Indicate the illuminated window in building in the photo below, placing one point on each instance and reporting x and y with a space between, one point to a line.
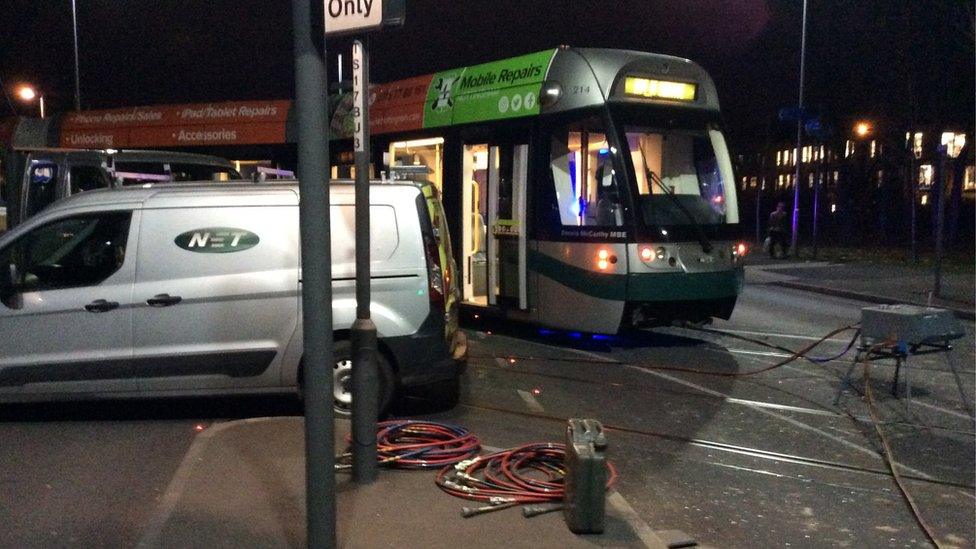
810 181
917 144
969 179
925 199
806 154
836 176
833 208
779 158
744 179
874 148
880 177
908 139
848 148
781 181
822 155
925 174
753 181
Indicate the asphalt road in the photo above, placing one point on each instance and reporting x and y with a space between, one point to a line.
733 461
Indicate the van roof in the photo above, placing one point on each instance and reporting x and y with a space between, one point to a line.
142 193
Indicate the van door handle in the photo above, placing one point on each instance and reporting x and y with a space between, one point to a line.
163 300
101 306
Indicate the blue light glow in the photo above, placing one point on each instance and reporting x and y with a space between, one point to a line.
575 335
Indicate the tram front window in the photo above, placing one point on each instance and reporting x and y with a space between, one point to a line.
583 174
692 167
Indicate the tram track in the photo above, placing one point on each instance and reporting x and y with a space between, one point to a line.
824 411
778 457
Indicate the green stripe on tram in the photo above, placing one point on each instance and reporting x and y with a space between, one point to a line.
638 286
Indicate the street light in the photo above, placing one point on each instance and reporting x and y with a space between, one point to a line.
28 94
795 225
863 128
952 145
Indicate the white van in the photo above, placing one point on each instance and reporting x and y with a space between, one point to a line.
180 290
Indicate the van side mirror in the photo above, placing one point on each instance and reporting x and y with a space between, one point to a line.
9 292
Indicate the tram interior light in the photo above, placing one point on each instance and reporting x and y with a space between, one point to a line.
660 89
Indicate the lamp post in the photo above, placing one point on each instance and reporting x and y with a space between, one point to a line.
916 155
28 94
952 144
799 138
74 25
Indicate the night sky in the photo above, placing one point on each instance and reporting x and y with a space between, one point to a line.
864 58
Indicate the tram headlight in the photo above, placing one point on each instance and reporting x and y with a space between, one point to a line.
647 254
550 94
660 253
604 259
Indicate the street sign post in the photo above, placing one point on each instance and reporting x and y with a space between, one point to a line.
363 333
349 17
313 215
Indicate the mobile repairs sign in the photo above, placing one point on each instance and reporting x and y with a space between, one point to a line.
492 91
217 240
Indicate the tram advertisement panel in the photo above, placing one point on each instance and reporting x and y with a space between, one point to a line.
492 91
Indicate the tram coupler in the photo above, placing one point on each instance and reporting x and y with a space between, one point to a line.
586 476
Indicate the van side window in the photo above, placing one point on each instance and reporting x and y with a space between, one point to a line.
42 187
69 253
87 178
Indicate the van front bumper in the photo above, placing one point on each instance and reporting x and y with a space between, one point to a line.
426 356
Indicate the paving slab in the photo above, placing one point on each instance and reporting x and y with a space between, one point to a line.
242 484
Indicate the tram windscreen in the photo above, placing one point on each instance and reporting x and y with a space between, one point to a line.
683 177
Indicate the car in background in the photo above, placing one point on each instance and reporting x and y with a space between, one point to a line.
33 178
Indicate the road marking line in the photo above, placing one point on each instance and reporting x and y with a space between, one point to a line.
941 409
530 401
643 531
786 336
781 417
167 504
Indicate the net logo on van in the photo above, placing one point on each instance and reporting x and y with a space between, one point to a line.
217 240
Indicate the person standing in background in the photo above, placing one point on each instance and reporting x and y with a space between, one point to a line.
777 231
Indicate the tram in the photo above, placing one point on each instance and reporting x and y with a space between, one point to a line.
587 190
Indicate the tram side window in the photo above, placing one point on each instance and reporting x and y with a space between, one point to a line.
587 192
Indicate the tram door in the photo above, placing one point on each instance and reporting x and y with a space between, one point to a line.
494 236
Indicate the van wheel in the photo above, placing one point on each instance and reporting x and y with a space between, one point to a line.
342 380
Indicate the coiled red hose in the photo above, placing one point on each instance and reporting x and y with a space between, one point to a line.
534 473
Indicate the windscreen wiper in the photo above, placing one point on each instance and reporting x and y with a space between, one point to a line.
654 178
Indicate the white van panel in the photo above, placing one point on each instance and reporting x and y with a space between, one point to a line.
241 305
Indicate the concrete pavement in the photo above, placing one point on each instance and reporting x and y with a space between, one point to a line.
242 484
872 283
